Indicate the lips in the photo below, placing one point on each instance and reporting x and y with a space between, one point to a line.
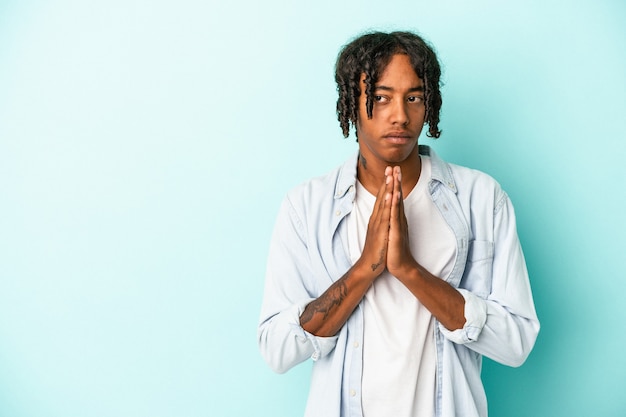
398 137
399 134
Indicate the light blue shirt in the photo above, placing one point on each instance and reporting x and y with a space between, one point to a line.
309 251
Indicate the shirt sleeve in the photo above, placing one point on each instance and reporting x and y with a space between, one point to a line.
501 323
289 287
475 318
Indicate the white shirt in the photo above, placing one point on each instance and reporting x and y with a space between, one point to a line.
399 357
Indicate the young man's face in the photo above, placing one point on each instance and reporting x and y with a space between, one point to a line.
390 136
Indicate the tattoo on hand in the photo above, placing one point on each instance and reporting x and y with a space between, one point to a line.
324 304
380 261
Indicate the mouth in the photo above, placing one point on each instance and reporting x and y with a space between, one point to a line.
398 137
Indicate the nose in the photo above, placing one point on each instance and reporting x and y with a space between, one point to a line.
400 114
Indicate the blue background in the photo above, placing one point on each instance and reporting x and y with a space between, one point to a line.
145 147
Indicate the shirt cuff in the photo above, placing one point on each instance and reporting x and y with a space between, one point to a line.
322 346
475 318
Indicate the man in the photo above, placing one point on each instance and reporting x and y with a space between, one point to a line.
397 271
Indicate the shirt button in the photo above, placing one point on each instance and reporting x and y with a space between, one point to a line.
352 393
337 213
315 356
356 344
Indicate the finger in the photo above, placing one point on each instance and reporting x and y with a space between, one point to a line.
397 193
388 183
380 217
398 218
397 175
402 223
388 191
380 202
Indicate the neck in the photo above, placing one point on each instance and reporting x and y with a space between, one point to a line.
371 173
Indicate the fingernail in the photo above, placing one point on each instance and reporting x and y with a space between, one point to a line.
387 179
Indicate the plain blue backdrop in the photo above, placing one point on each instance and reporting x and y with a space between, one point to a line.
145 147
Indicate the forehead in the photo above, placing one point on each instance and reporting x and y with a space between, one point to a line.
399 71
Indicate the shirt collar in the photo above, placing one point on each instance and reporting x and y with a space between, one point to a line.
441 172
347 176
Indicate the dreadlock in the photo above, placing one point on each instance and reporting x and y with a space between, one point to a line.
370 54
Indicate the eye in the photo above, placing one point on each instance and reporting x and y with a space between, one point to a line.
379 99
415 99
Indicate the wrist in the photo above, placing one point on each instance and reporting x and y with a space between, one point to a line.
366 272
408 271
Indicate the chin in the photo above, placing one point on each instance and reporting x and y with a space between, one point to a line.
401 155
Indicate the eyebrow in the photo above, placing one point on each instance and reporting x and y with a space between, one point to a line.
419 88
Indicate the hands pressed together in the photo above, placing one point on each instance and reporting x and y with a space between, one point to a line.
387 239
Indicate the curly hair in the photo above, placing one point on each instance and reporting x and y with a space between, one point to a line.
370 54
